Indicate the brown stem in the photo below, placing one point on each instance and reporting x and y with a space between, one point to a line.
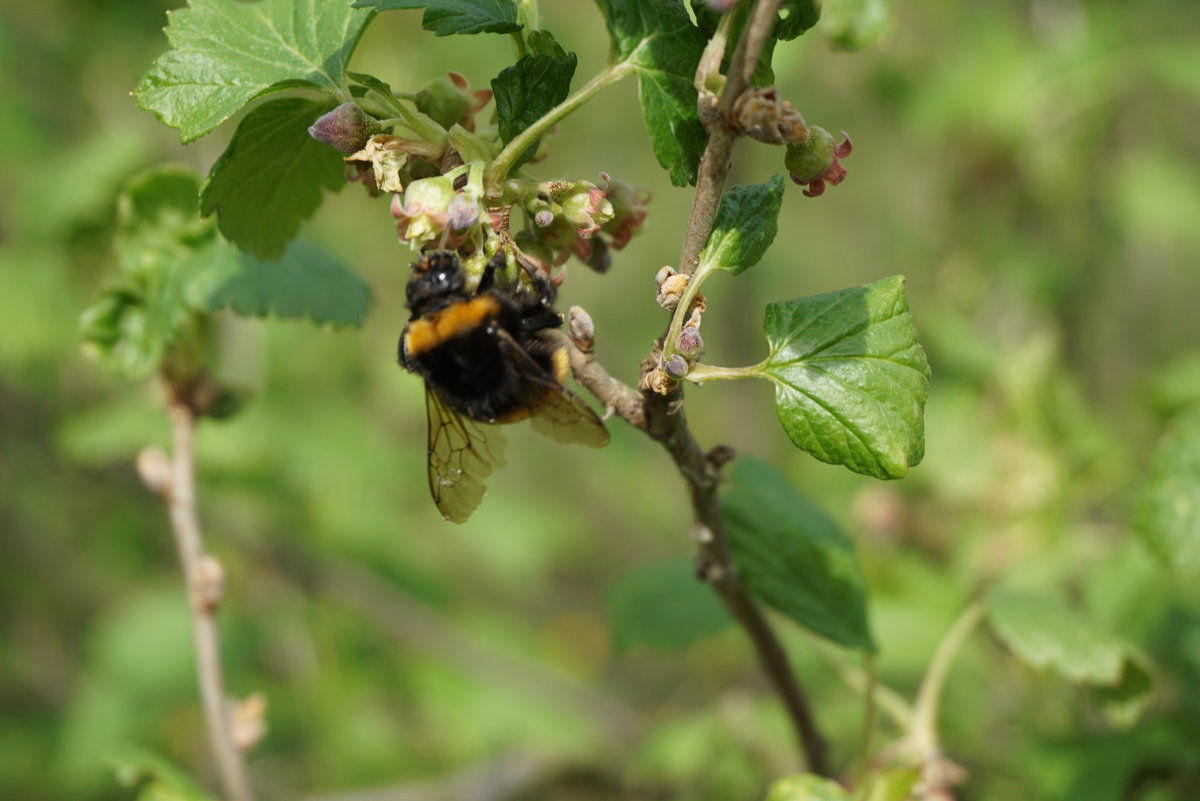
714 164
204 585
664 419
700 472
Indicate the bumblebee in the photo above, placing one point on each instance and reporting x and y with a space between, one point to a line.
486 361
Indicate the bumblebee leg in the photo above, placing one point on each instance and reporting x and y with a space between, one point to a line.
488 278
538 317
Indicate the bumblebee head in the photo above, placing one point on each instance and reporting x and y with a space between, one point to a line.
437 275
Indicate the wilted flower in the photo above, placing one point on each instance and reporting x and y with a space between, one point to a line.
450 101
817 160
629 212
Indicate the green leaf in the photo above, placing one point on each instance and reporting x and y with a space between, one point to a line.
158 219
658 39
159 230
1167 517
1047 635
306 283
527 90
160 778
745 226
793 557
806 787
448 17
850 377
224 53
856 24
543 43
663 606
270 178
796 17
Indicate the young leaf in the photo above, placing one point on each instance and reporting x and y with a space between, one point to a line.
795 17
159 230
663 606
448 17
806 787
306 283
1168 511
527 90
850 377
270 178
224 53
1046 634
745 226
657 38
791 556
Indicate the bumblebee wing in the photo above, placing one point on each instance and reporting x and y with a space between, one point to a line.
462 453
554 411
566 418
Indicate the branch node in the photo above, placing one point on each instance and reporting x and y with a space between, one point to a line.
248 721
154 468
208 584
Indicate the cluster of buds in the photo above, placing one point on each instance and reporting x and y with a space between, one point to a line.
813 158
433 212
569 217
670 289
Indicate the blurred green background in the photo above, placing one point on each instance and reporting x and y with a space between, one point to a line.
1030 166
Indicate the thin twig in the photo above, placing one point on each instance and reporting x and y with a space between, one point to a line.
924 737
202 573
666 422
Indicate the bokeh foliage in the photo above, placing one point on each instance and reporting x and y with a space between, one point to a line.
1029 166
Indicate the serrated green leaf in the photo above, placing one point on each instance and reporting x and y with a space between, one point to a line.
745 226
163 780
806 787
856 24
527 90
658 39
1047 635
448 17
850 377
225 53
1168 511
306 283
663 606
270 178
793 557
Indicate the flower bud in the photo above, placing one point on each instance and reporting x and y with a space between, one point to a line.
582 329
347 128
154 467
676 366
690 342
817 160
